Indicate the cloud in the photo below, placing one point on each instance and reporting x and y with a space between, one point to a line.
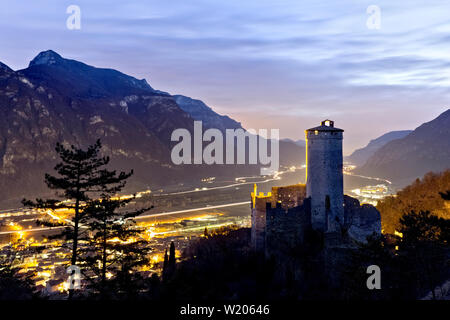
283 64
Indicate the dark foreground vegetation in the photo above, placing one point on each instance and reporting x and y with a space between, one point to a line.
221 266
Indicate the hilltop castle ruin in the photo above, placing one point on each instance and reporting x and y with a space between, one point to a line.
282 217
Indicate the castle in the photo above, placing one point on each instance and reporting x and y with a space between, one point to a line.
281 218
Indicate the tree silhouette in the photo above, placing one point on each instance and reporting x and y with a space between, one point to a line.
169 262
425 243
172 258
114 245
172 254
165 266
81 177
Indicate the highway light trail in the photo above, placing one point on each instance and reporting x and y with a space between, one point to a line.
136 218
370 178
30 230
212 226
190 210
274 178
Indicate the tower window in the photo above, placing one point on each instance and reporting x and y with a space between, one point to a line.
316 132
327 202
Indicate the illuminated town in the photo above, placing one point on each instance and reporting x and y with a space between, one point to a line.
46 260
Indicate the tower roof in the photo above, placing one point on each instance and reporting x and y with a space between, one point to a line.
326 125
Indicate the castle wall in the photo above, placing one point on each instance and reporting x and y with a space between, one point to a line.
286 228
361 221
258 218
279 200
288 196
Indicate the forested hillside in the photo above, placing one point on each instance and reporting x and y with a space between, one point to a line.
422 195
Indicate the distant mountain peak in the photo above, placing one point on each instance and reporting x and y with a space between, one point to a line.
387 137
80 79
360 156
48 57
425 149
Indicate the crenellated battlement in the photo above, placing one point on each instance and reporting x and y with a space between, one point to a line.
286 196
278 202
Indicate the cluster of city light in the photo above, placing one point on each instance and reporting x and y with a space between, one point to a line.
51 262
371 194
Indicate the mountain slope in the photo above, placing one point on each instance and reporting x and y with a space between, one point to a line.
77 81
198 110
62 100
4 69
300 143
81 79
425 149
291 152
360 156
34 115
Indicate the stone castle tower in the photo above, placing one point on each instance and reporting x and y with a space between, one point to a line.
324 176
282 218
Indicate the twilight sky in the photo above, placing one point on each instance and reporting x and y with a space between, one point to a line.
268 64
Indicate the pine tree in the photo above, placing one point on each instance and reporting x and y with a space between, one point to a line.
115 246
165 266
169 263
81 176
424 245
172 259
